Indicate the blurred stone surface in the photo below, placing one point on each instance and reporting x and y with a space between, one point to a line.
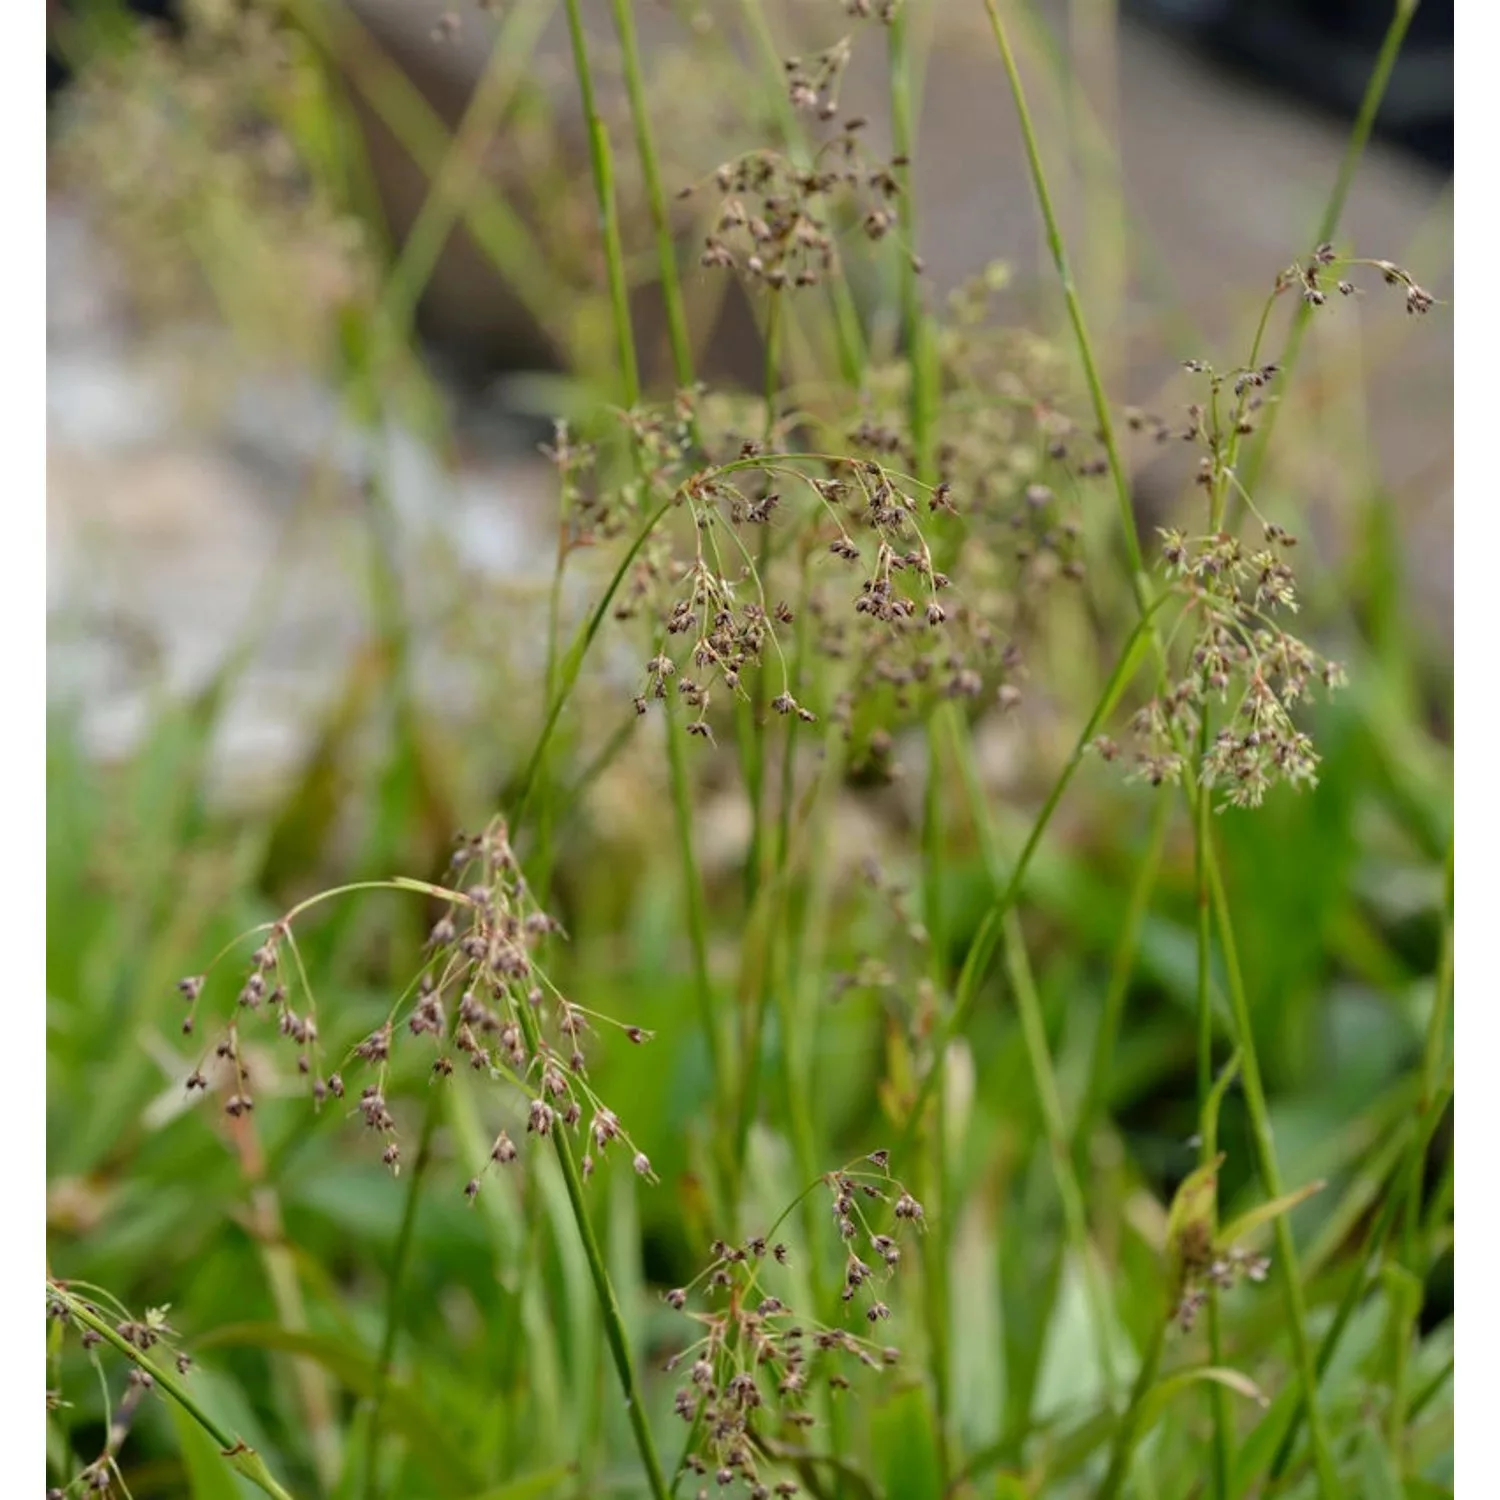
184 525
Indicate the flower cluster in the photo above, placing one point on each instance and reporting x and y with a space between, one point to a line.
755 1361
482 997
1311 279
67 1306
1240 655
773 223
1220 1270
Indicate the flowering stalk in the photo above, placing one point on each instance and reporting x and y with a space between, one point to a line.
1333 210
682 367
604 1291
404 1238
240 1456
1266 1163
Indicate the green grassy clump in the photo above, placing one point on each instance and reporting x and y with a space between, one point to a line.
979 938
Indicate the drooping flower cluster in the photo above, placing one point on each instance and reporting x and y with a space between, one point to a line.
755 1362
482 996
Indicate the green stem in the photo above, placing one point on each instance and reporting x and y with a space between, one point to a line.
645 146
846 326
936 1249
682 366
1333 211
1043 1073
602 164
750 730
1269 1172
751 719
1128 1432
692 885
1105 422
982 949
921 366
572 664
1255 1097
1218 1396
399 1263
609 1307
242 1458
1101 1063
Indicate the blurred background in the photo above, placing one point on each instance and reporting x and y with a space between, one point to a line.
1198 140
294 639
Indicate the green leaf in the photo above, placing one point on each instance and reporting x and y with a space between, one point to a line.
905 1451
1164 1392
1247 1223
544 1482
1379 1478
1190 1220
355 1370
209 1473
1209 1122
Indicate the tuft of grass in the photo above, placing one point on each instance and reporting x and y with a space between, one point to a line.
860 641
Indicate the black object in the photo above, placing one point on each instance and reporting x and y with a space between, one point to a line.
1323 52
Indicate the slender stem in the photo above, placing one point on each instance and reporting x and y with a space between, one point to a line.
1128 1432
1140 584
1218 1396
1043 1073
399 1263
770 897
602 164
1333 211
541 873
752 715
982 949
1254 1093
244 1459
1269 1172
692 885
572 664
656 202
936 1248
795 963
921 366
846 326
609 1307
1096 1092
682 366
